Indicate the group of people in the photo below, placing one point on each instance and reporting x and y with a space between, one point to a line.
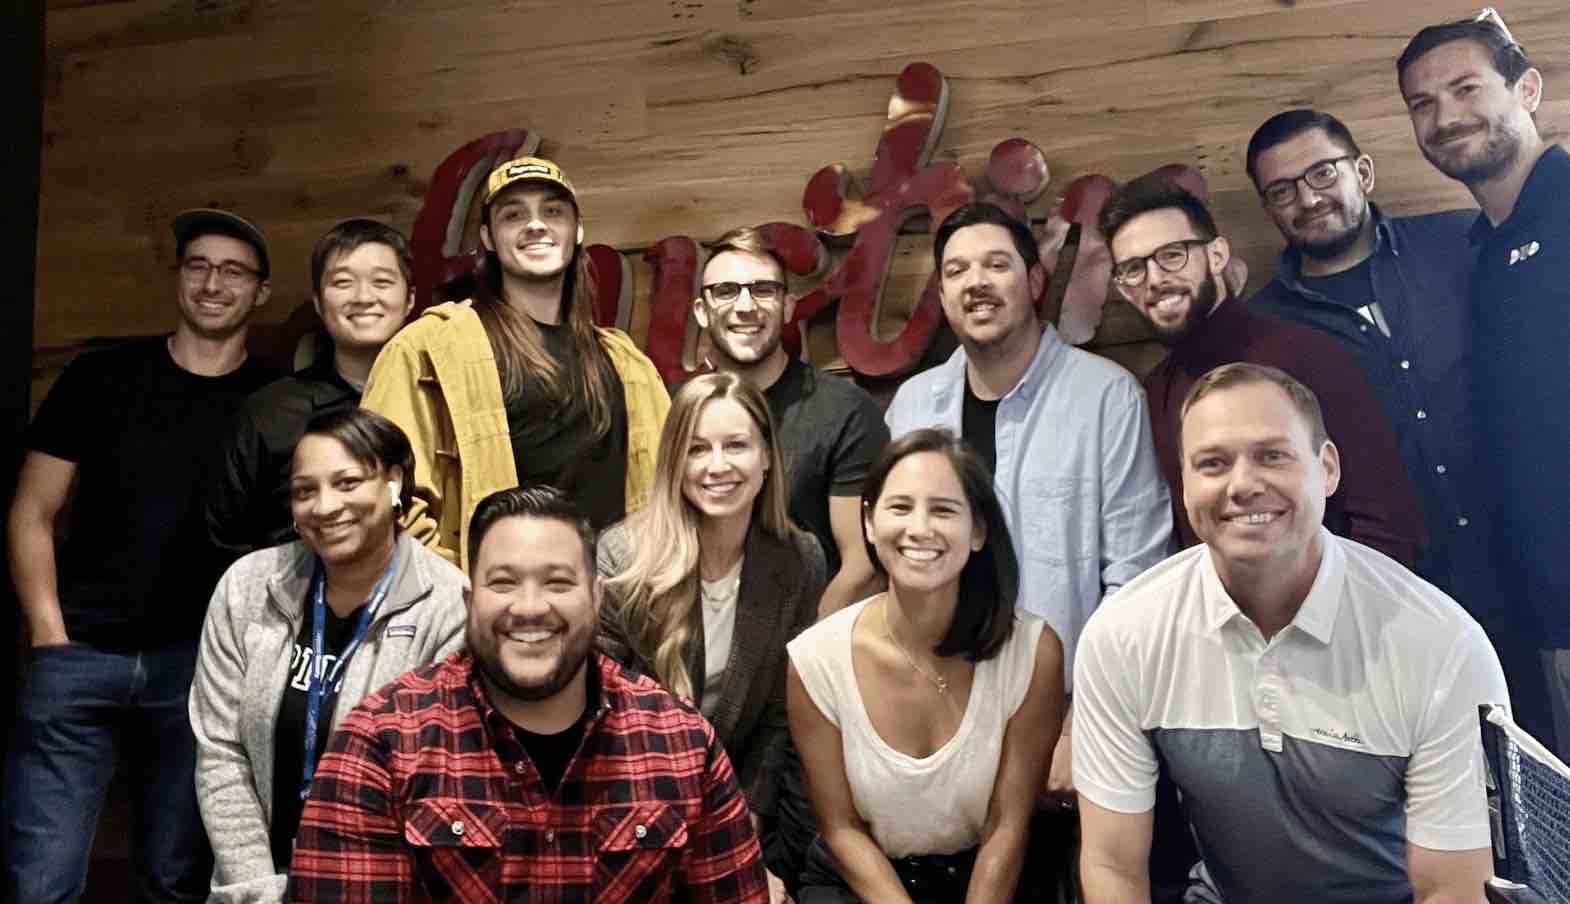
499 616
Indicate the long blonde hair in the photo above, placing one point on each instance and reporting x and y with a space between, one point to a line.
519 347
659 587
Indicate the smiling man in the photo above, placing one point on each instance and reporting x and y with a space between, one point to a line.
363 276
1314 702
528 767
114 621
1168 260
1391 291
1472 95
517 386
830 430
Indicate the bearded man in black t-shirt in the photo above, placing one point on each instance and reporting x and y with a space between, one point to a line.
114 621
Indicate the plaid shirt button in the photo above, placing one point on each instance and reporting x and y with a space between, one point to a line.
640 831
457 827
550 836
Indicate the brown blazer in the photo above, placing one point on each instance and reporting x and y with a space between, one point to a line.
781 581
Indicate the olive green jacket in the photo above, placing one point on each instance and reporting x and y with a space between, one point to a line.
437 380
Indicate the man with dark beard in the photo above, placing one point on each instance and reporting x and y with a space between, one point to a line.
1392 292
1168 261
1471 94
527 767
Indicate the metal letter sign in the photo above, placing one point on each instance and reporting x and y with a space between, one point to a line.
903 185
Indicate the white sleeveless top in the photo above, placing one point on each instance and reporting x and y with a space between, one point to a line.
928 805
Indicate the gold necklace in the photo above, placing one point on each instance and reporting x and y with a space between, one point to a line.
938 681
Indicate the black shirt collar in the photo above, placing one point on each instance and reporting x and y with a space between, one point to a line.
1290 268
1541 195
327 385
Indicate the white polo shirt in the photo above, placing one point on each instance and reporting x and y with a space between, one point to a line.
1306 764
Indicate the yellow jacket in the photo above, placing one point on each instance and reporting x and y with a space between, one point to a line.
437 380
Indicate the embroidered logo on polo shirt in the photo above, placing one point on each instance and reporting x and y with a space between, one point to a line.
1341 736
1517 255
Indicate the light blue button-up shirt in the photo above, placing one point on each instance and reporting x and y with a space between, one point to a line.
1076 474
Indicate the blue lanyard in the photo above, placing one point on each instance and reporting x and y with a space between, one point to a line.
316 681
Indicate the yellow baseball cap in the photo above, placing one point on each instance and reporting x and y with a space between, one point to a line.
527 169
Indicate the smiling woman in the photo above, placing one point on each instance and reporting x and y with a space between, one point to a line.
707 584
925 714
297 634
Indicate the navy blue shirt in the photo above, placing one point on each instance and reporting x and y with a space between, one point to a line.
1521 391
1418 276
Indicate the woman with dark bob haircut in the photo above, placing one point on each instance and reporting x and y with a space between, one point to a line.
925 715
297 634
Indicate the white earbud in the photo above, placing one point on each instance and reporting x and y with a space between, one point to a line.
393 489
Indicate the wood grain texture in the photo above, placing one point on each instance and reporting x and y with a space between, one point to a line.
673 117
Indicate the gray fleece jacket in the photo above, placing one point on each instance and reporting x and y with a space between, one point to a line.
242 668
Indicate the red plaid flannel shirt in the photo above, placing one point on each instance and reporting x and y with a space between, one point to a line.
424 794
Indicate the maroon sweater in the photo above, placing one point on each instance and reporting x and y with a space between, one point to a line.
1375 504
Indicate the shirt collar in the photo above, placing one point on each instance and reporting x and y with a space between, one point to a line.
327 385
600 675
1316 617
1541 195
1049 351
1289 269
291 584
794 381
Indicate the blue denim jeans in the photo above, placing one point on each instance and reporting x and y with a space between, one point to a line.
80 711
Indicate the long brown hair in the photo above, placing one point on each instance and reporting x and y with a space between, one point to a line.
519 347
660 585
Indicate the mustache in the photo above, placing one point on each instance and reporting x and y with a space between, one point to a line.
512 623
976 296
1158 289
1325 207
1444 135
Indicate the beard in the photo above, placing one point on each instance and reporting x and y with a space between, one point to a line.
1334 245
1200 305
1499 151
576 647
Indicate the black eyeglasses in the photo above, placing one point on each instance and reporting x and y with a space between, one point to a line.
230 273
1320 176
1171 257
763 291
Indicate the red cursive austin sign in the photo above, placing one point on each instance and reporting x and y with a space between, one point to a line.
903 186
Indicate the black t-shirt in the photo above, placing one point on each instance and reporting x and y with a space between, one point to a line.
289 737
554 443
830 434
979 424
137 568
551 754
1352 288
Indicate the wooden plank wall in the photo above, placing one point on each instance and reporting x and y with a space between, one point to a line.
673 116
